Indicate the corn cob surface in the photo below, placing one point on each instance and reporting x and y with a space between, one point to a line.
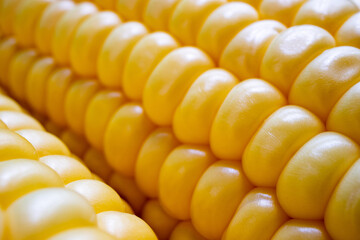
216 119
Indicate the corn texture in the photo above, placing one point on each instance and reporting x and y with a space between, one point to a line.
239 116
48 194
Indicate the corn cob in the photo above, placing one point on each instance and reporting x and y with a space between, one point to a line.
175 77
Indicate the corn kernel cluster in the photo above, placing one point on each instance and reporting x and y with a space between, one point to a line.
237 119
46 193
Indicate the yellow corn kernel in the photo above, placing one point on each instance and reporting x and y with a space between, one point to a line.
329 14
126 132
68 168
158 13
243 55
21 176
296 229
77 100
124 226
115 52
246 106
323 81
66 28
342 212
96 162
309 178
27 14
7 104
18 120
291 51
345 115
46 25
185 231
151 157
35 84
160 222
279 10
222 25
45 143
131 10
188 17
7 15
57 85
144 57
84 233
8 49
216 197
88 39
19 68
349 33
179 175
170 81
43 213
98 114
277 140
77 144
128 189
195 114
260 209
13 146
101 196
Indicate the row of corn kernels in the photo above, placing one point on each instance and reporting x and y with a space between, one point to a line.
128 110
48 194
212 24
